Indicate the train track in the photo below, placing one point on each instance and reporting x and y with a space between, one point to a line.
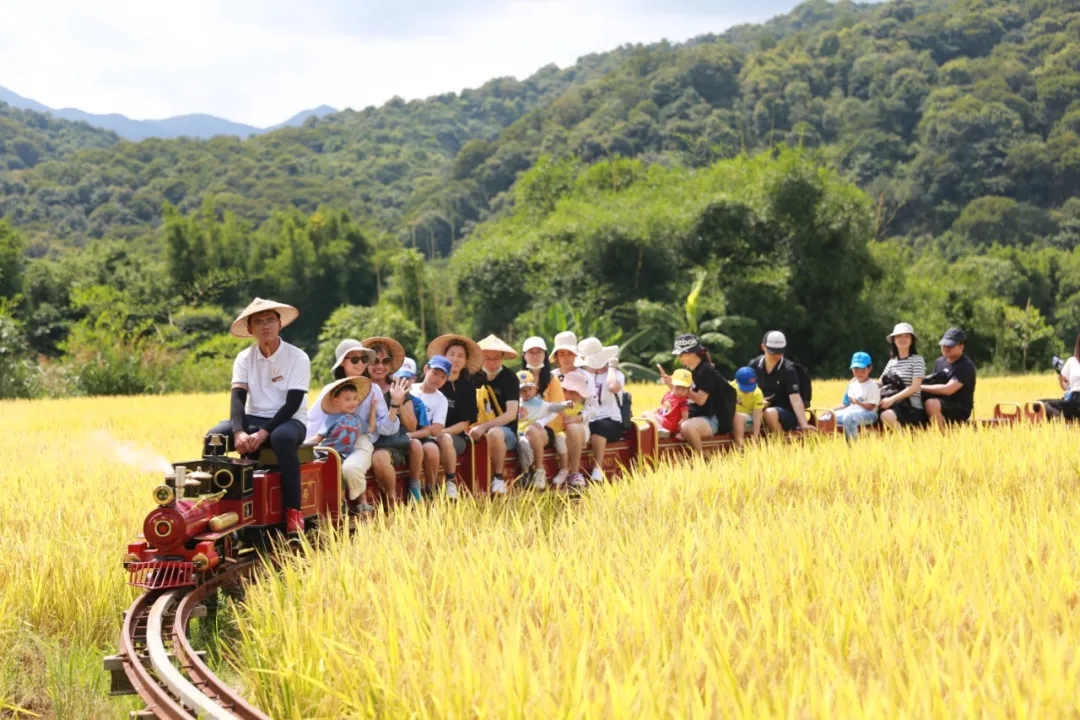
162 667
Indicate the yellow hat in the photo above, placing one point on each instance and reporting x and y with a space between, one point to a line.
494 344
682 378
526 379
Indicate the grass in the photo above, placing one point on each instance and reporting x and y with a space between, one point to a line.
921 575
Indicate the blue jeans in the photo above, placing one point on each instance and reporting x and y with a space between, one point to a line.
511 438
851 417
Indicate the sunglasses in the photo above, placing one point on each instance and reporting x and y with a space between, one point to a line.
383 361
355 359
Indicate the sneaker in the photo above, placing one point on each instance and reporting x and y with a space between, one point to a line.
498 486
414 490
451 490
539 479
360 509
294 521
597 475
577 480
560 478
525 479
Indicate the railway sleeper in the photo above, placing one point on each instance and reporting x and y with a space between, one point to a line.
118 680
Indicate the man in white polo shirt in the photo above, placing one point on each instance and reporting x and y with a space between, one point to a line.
269 391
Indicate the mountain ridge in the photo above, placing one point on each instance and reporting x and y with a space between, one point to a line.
202 126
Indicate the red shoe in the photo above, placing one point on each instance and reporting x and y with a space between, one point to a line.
294 521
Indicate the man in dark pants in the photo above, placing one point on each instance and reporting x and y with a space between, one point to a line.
269 397
951 398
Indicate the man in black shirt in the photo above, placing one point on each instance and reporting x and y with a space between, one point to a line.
952 396
501 431
779 383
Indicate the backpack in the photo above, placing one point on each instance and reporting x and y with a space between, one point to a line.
806 391
487 405
623 400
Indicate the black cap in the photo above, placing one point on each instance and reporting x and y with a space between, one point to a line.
952 337
687 344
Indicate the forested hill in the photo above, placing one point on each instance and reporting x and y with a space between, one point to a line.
372 162
28 137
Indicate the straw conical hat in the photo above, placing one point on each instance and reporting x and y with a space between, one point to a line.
362 385
494 344
287 312
474 360
397 352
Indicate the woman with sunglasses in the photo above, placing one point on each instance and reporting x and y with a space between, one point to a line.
351 360
389 357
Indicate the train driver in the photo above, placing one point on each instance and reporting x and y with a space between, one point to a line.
269 391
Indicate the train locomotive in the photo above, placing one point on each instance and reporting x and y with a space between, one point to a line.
212 510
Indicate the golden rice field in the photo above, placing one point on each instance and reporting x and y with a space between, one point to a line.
906 576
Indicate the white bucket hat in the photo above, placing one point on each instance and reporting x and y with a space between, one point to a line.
565 341
347 346
599 359
901 329
287 313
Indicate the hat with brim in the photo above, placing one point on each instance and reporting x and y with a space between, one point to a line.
397 352
287 313
576 382
901 329
350 346
362 385
598 360
474 358
566 340
588 346
494 344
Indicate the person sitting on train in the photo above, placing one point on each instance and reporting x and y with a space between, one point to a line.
534 430
952 386
465 359
1069 380
861 400
344 429
905 362
564 355
437 444
576 389
350 361
422 433
497 401
404 450
749 400
675 405
779 383
534 358
270 382
712 399
601 367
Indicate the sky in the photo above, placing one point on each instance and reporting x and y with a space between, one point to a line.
261 61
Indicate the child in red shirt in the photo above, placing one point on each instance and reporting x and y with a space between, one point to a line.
676 404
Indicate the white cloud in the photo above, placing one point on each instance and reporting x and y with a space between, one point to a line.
261 62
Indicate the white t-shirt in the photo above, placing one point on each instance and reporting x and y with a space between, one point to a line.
269 379
867 391
1071 373
435 404
605 404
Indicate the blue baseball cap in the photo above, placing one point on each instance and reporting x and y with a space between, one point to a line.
861 360
440 362
746 379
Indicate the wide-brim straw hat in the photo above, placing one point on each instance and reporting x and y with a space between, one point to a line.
901 329
566 340
362 385
474 358
397 352
347 346
494 344
287 313
597 360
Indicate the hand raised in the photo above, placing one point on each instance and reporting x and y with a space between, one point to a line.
397 390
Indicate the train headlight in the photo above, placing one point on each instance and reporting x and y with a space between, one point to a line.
200 561
163 495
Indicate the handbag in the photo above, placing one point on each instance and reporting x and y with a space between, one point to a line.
487 405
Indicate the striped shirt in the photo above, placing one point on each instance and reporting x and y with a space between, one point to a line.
907 369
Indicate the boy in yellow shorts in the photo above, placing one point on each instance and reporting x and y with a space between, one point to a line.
749 400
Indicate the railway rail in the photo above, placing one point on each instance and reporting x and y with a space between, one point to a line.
158 662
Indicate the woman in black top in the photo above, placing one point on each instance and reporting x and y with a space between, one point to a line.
712 399
460 392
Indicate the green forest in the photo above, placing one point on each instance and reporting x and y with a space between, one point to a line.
830 173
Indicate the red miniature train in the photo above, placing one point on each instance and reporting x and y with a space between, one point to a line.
212 510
